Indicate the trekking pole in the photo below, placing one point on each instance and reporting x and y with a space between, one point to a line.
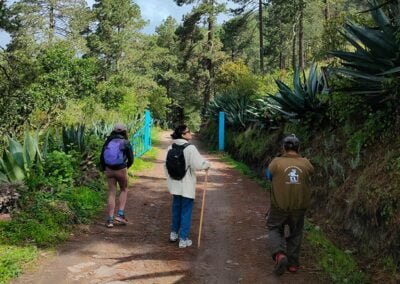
202 207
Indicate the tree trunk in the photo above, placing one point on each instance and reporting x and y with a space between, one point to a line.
326 10
301 36
52 22
209 88
294 65
261 31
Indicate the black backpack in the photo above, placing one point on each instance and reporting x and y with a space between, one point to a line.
175 162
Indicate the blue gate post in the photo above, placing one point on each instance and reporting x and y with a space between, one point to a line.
221 137
147 130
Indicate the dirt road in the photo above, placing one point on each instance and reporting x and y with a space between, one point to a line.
233 247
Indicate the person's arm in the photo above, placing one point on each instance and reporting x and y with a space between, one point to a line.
129 154
102 162
270 170
197 162
268 175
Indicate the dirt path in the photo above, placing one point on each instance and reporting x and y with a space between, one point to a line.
233 247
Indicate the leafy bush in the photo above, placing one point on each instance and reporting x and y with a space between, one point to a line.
43 220
83 202
58 168
12 258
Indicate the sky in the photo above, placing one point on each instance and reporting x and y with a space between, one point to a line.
154 11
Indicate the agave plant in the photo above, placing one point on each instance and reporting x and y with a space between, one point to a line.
307 99
18 159
235 106
74 137
374 65
101 129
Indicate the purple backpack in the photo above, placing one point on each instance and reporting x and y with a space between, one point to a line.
114 152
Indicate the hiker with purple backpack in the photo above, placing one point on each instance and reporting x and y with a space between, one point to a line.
115 159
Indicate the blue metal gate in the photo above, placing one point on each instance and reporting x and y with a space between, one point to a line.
141 140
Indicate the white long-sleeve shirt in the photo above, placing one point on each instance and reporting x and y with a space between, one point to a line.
186 187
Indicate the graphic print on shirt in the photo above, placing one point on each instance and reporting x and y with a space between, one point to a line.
293 175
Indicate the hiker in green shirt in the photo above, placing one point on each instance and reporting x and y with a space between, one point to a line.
290 197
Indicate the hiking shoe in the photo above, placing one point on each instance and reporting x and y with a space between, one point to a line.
121 219
110 223
292 268
184 243
173 237
281 262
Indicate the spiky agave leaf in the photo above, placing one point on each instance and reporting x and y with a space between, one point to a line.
306 99
374 64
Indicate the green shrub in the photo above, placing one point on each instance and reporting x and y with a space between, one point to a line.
83 202
43 221
11 260
58 168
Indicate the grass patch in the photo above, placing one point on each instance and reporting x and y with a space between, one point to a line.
244 169
12 259
339 265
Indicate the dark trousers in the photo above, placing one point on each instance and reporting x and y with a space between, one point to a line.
277 241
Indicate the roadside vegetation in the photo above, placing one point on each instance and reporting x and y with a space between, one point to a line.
60 190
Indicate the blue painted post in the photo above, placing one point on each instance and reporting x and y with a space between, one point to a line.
221 137
147 134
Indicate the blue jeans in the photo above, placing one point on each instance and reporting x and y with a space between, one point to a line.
181 215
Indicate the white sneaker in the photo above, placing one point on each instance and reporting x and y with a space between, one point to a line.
173 237
185 243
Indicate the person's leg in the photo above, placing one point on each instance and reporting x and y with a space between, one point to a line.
112 187
275 224
176 213
123 186
296 224
276 239
186 217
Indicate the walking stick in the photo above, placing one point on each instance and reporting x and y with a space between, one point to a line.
202 207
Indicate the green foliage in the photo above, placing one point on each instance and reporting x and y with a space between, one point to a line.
307 100
59 168
376 128
339 265
74 138
374 64
101 129
18 159
83 202
117 28
12 258
43 221
236 77
236 108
